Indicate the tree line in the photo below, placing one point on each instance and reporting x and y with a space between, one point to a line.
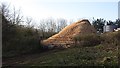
99 23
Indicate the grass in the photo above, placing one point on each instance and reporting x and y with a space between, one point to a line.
99 55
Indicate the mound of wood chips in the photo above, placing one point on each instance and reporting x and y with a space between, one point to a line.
65 37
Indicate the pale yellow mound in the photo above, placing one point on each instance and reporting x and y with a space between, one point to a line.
65 36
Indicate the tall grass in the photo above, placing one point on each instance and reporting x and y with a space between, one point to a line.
96 39
87 40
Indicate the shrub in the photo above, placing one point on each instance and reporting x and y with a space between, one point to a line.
22 42
111 38
88 39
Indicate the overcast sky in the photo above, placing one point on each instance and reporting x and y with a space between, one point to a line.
68 9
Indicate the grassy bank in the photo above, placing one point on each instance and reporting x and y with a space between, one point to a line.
100 55
104 53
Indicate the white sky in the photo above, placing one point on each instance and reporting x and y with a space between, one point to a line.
68 9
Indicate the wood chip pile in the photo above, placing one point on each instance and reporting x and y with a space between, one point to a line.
65 37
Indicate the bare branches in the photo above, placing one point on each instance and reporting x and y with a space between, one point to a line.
17 18
14 16
61 24
51 25
4 10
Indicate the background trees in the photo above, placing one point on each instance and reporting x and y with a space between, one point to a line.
99 23
17 39
61 23
117 22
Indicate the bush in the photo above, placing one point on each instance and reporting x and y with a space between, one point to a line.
111 38
20 40
88 40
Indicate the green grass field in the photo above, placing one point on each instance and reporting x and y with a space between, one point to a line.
100 55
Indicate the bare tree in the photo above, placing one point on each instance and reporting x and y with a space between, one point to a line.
14 17
28 21
51 25
70 21
61 23
5 11
42 27
48 25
